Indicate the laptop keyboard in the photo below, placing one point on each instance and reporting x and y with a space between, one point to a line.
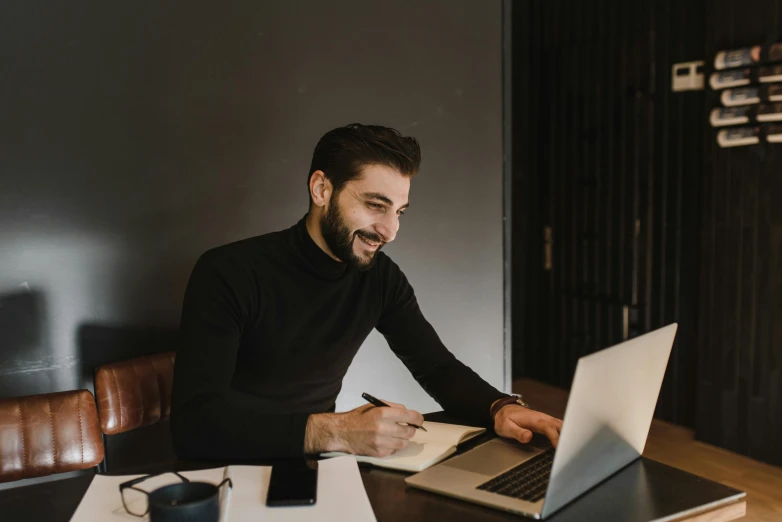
527 481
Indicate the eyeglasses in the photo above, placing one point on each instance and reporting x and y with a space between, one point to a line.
136 500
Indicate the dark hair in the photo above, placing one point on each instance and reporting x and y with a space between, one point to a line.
342 152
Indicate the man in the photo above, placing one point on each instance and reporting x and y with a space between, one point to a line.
270 324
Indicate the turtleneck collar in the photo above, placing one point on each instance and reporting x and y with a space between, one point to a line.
316 259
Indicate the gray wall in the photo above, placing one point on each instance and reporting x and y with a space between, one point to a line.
133 138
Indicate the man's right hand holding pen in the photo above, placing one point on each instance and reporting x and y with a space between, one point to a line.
366 430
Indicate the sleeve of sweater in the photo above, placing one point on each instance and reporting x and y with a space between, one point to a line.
205 423
457 388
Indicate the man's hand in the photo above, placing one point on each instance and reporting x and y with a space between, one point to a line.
517 422
367 430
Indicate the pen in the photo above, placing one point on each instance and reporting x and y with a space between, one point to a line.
380 404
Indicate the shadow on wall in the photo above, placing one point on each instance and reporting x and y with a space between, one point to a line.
27 365
102 344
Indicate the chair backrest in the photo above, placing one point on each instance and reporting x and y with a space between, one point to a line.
135 392
48 433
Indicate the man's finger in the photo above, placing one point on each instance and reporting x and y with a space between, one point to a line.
400 431
394 404
410 417
404 415
552 434
517 432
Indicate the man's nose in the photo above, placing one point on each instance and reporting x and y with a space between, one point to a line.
388 227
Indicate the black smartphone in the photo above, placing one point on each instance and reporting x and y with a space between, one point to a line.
293 483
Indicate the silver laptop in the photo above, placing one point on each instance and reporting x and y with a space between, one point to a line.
606 423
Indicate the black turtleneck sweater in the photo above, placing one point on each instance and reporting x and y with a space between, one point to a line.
269 327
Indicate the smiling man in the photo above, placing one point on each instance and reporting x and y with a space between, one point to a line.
270 324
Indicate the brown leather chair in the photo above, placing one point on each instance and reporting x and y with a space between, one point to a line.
135 392
132 394
47 434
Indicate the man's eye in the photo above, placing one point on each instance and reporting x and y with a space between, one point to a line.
375 206
401 212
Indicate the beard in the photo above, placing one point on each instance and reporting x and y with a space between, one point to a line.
340 239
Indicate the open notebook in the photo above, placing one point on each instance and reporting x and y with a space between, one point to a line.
341 495
426 448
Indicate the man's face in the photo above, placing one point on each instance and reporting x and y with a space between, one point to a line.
365 215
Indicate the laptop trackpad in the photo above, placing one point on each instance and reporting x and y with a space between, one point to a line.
492 457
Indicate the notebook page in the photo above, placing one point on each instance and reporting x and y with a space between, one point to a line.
426 448
451 434
415 457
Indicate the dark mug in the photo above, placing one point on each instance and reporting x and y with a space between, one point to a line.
186 502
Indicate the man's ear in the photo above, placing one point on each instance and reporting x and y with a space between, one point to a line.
320 188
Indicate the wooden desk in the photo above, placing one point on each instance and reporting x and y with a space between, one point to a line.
645 490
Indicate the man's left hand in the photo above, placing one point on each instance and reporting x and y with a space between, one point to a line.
517 422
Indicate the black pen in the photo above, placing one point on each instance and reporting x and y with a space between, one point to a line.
380 404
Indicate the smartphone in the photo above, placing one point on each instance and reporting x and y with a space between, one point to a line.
293 483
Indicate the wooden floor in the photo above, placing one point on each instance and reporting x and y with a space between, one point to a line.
676 446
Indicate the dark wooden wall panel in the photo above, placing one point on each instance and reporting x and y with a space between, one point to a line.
651 222
738 352
609 180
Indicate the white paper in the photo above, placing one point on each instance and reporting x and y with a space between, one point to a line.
103 502
341 495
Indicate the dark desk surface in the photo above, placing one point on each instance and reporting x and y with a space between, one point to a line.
644 490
